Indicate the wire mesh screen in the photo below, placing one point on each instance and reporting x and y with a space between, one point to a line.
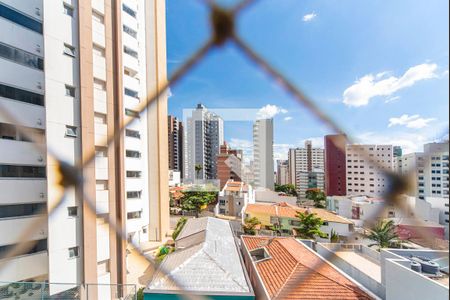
222 22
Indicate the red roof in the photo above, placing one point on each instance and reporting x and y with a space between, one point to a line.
294 272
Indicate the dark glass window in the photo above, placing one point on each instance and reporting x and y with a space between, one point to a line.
129 11
131 93
22 171
132 133
134 194
21 57
133 154
132 113
21 95
39 246
20 19
130 51
130 31
17 210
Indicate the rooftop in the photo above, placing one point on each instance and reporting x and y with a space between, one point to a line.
211 266
283 209
289 261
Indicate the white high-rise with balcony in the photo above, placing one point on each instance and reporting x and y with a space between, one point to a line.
71 73
263 153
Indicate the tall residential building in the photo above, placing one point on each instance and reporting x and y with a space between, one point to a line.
202 140
306 164
263 153
335 179
229 165
427 171
72 72
175 129
365 169
282 176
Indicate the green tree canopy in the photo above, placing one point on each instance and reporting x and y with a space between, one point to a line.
288 189
250 225
317 196
196 200
309 226
383 234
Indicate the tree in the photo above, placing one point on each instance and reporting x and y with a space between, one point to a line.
383 234
288 189
250 225
197 200
317 196
309 226
334 237
140 294
180 224
198 169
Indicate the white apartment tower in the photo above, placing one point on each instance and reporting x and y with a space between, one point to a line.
365 168
306 168
428 171
263 153
71 73
202 140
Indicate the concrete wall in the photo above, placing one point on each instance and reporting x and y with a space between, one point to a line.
403 283
365 280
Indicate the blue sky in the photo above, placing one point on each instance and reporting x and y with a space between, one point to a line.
379 68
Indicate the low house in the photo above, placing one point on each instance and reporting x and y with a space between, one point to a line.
284 268
206 262
284 217
268 196
234 196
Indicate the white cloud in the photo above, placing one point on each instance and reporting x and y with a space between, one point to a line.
410 142
287 118
391 99
414 121
270 111
369 86
309 17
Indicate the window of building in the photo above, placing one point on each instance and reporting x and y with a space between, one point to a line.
20 19
21 57
129 11
222 202
134 174
67 9
132 113
18 210
98 17
130 31
22 171
131 93
132 133
74 252
70 91
134 215
130 51
72 211
69 50
103 267
133 154
21 95
71 131
134 194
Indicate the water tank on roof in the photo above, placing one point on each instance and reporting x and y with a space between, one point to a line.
415 266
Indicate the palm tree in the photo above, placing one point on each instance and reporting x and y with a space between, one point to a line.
383 234
309 226
198 169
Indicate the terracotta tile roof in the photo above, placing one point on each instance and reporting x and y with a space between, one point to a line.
290 262
234 186
286 210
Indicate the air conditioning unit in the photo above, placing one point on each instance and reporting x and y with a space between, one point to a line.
40 159
39 122
37 11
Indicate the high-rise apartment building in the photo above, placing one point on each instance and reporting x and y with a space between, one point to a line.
263 153
202 140
72 72
175 129
282 176
302 162
397 151
428 171
229 165
335 178
366 166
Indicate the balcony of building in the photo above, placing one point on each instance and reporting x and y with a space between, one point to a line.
20 224
21 153
24 267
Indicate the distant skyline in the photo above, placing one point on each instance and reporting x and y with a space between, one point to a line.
380 69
